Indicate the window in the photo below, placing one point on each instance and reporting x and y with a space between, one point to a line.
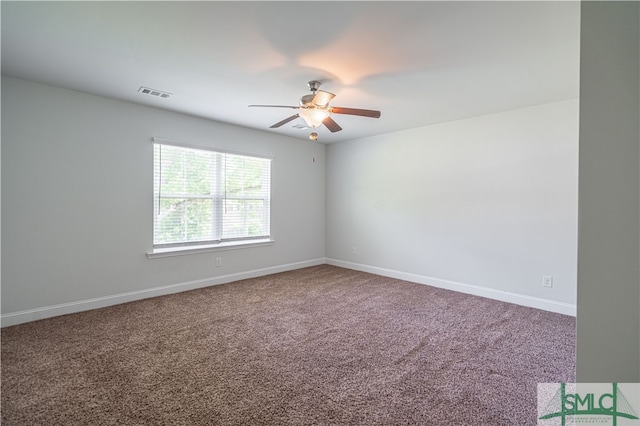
204 197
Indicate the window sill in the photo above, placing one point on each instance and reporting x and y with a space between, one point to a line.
182 251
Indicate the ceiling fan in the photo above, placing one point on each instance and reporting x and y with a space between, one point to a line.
315 110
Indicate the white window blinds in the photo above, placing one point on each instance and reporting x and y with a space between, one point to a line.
204 197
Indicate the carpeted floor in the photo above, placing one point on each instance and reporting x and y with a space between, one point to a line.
320 345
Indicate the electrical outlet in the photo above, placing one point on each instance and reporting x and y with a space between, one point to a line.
547 281
218 262
354 251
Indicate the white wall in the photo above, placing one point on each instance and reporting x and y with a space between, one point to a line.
77 202
608 328
486 205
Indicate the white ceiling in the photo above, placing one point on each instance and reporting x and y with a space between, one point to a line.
419 63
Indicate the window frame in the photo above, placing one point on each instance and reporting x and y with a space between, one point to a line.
218 199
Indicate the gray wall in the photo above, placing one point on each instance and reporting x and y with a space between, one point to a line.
486 205
609 254
77 202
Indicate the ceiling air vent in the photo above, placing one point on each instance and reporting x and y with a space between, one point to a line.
154 92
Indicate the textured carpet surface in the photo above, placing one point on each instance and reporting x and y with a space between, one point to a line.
320 345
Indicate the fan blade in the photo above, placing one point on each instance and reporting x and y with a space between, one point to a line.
275 106
331 125
355 111
322 98
285 121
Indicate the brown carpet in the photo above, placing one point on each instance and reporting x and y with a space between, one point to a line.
320 345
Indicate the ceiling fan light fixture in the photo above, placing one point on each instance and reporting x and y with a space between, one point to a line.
313 116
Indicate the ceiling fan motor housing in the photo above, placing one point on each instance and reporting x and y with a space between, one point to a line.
306 100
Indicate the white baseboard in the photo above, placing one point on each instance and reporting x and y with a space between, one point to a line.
29 315
504 296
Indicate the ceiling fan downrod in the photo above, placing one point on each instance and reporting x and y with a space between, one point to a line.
314 85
